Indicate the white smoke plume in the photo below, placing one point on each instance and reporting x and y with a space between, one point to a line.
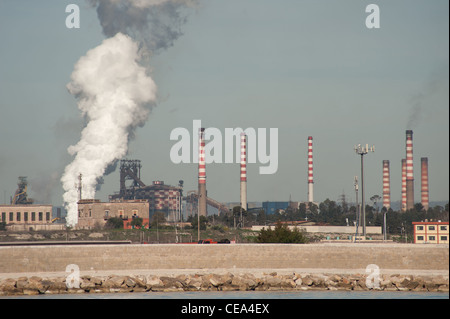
113 89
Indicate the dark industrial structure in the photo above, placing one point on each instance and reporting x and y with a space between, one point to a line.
163 198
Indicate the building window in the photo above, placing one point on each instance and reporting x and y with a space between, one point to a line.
106 214
40 216
11 216
4 217
431 237
431 228
419 227
47 216
33 216
90 212
18 216
444 238
419 237
25 216
443 227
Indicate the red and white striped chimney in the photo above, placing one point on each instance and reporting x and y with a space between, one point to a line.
244 171
202 210
409 171
403 184
386 185
310 171
424 175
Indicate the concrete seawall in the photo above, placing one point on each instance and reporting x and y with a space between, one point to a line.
403 258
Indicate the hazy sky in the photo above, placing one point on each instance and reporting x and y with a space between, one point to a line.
305 67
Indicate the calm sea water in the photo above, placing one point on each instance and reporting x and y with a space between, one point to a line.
316 294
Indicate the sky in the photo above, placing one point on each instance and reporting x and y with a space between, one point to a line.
307 68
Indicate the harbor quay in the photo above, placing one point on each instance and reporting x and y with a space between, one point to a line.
169 267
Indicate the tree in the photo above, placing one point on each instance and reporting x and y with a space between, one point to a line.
194 222
282 234
137 222
114 223
157 219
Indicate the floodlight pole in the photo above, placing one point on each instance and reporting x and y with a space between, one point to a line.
363 150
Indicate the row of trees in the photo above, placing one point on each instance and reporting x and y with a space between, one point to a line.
332 213
327 212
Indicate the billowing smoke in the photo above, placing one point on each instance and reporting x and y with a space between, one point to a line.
155 23
112 91
113 88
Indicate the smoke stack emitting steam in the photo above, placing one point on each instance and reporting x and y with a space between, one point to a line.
113 89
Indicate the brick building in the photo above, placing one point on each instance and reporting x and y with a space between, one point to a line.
93 214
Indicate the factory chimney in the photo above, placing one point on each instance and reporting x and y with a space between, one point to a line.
202 210
244 171
403 185
386 185
310 171
424 175
409 171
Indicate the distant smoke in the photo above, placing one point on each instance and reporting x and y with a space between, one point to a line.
420 99
113 90
155 23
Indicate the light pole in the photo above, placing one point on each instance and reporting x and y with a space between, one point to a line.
363 150
357 208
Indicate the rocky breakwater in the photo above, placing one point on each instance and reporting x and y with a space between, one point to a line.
219 282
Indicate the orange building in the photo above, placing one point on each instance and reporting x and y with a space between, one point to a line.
430 232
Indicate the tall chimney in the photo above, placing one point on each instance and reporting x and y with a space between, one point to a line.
386 185
310 171
244 171
403 184
409 171
202 210
424 175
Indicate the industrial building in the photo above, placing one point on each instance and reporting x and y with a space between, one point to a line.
160 197
93 214
23 215
430 232
274 207
26 217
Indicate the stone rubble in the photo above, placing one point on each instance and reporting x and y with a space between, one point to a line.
224 282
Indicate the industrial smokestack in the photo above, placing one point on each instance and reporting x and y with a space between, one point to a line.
386 185
310 171
403 184
409 171
202 210
244 171
424 180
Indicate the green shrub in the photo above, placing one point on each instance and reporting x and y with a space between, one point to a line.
281 234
